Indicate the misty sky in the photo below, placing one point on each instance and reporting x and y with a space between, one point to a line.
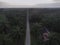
27 2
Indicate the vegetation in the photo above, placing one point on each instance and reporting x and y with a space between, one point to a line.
12 26
45 17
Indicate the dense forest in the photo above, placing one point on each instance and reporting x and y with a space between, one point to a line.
45 17
13 25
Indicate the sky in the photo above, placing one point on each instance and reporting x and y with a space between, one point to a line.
27 2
